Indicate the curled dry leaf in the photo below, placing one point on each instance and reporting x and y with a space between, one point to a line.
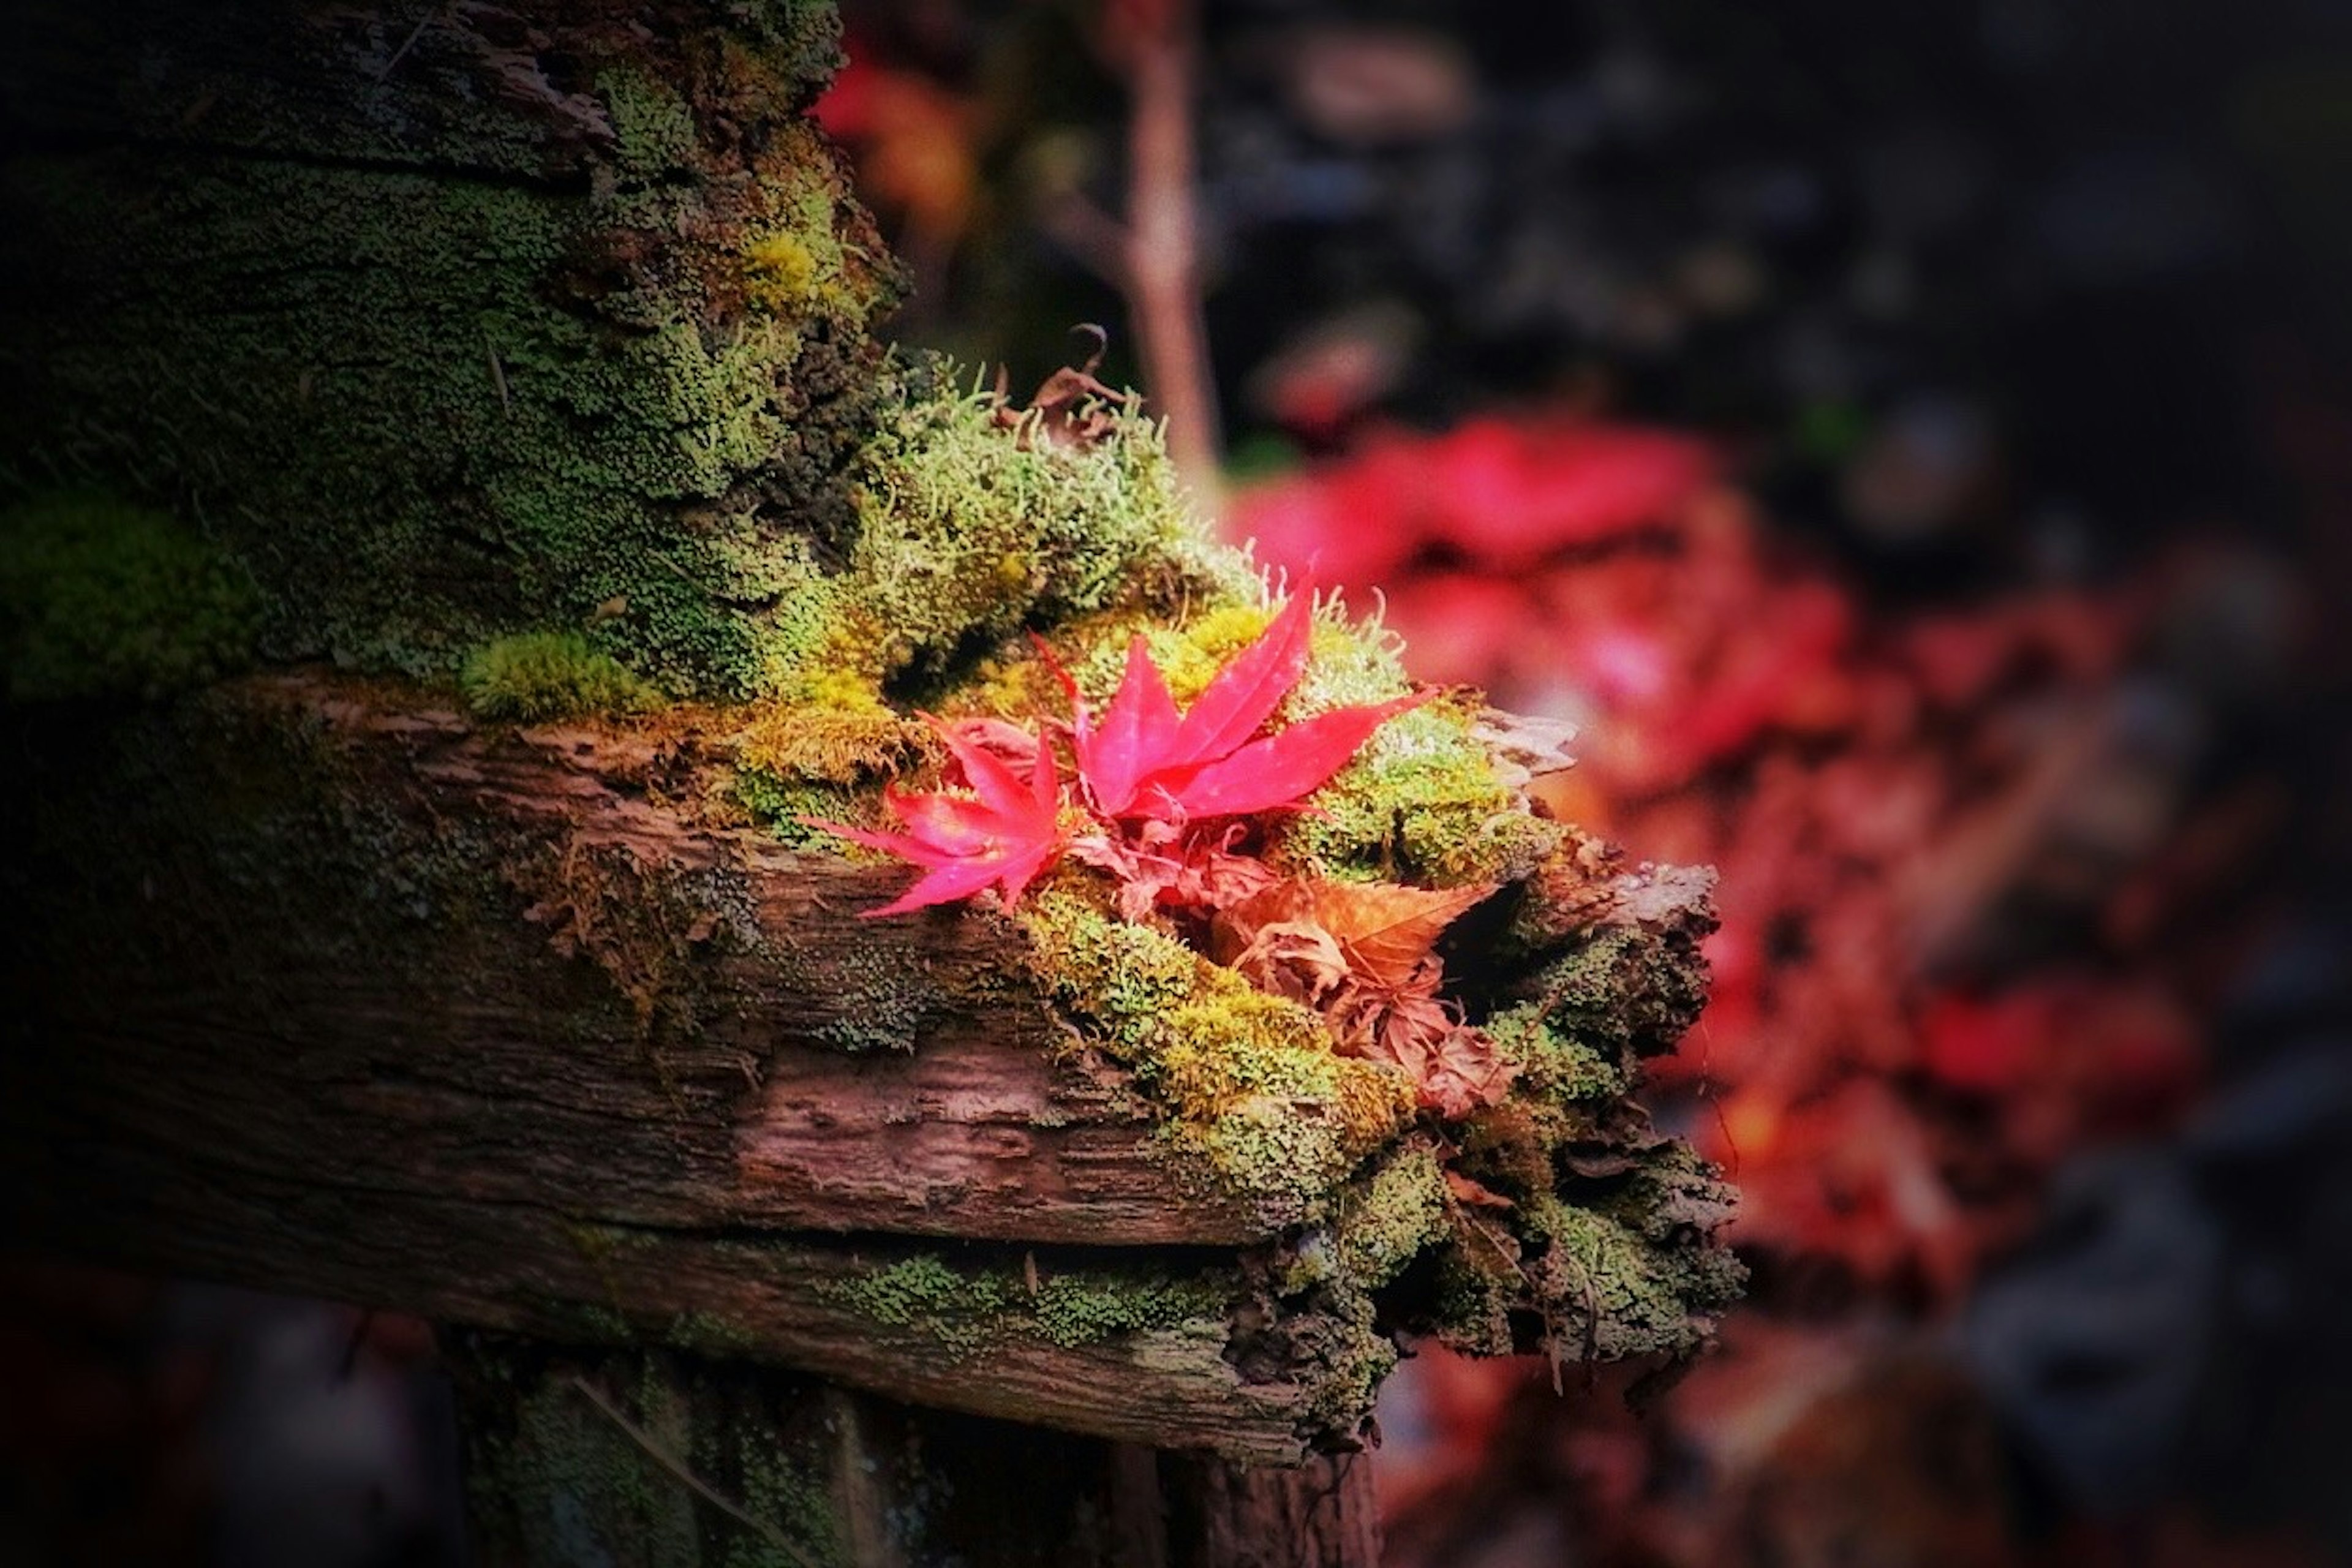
1384 931
1362 953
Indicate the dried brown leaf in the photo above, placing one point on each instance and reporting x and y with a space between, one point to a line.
1388 929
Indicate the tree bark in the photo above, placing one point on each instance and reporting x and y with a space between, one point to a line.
471 1023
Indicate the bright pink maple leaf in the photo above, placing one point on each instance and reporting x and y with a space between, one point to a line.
1000 834
1144 760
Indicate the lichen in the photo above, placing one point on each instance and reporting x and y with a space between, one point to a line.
533 677
1380 1223
1619 990
1082 1309
99 598
964 1311
1554 1064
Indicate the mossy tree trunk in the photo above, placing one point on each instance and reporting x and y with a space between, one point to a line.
446 320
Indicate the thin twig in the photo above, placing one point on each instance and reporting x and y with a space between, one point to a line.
402 53
676 1466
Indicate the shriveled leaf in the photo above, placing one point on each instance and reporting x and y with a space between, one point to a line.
1385 929
1296 959
1473 1194
1467 1070
1388 929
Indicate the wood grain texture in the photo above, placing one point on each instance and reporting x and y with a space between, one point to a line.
325 993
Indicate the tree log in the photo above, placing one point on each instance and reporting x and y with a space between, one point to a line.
519 1045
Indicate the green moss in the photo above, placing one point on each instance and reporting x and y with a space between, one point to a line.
533 677
957 1311
963 1311
883 997
779 804
1116 975
98 598
607 1500
791 1497
965 533
1421 802
1380 1223
1555 1066
709 1334
652 126
1349 664
1613 1294
1254 1095
427 410
1356 1360
1072 1309
1622 990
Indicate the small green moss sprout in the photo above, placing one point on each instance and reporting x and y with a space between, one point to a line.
533 677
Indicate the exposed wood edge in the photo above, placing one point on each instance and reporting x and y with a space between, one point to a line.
429 1057
744 1297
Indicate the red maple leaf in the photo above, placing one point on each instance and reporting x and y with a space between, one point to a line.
1144 760
1002 834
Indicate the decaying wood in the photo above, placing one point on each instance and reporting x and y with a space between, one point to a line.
494 1034
413 1068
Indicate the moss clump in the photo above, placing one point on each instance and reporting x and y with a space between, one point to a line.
1554 1065
1421 802
98 598
534 677
1617 1292
427 409
959 1312
821 759
1252 1090
1074 1309
965 533
1619 991
1188 654
962 1311
782 804
1381 1223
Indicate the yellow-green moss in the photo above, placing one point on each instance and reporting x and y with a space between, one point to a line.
821 759
1553 1065
98 598
1421 802
1381 1222
963 1310
964 532
533 677
1249 1083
